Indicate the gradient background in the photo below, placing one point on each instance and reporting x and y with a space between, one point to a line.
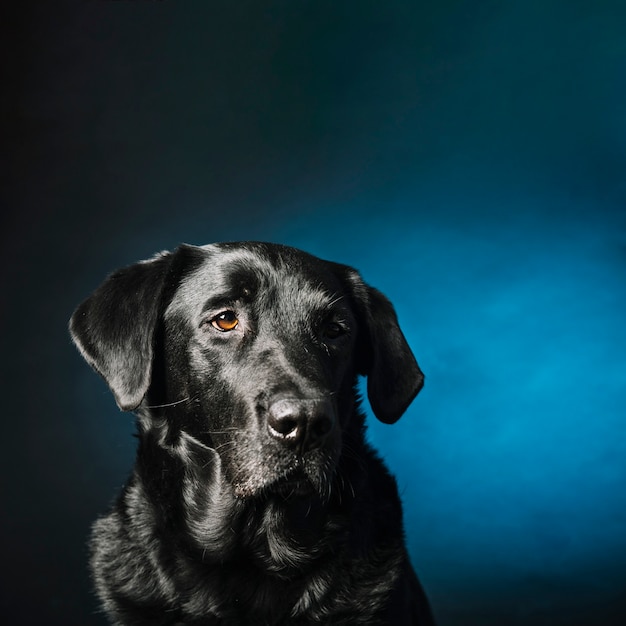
468 157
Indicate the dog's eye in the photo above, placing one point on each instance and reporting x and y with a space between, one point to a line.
332 330
225 321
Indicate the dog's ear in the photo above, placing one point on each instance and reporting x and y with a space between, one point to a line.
393 375
383 354
114 328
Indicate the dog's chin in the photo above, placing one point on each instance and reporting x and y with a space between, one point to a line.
293 485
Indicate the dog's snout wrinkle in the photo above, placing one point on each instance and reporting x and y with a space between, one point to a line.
300 423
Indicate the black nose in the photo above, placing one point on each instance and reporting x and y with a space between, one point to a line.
303 423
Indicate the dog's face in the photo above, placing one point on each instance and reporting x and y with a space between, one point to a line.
261 349
254 349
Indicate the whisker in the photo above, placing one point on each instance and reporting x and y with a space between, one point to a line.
352 454
351 488
225 431
163 406
337 298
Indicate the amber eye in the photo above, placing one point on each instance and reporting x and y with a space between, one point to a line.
225 321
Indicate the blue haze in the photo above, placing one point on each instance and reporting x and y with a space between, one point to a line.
468 158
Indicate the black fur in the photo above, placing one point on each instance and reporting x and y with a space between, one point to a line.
255 499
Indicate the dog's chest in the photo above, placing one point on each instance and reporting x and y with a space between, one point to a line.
323 599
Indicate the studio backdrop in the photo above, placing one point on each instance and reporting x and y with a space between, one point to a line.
467 157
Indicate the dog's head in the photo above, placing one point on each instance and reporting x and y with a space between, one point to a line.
253 351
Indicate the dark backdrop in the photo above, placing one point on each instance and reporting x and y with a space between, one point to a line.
467 156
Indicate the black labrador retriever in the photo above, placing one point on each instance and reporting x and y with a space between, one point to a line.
255 499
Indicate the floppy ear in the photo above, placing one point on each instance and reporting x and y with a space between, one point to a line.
114 328
393 375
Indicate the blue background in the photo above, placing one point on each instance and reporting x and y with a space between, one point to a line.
467 157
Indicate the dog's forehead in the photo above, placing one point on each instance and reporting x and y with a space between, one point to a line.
287 276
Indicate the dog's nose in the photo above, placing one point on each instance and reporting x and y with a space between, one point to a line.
304 423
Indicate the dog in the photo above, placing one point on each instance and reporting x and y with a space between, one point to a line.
255 499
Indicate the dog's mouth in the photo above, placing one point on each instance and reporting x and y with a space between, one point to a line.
295 483
289 478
